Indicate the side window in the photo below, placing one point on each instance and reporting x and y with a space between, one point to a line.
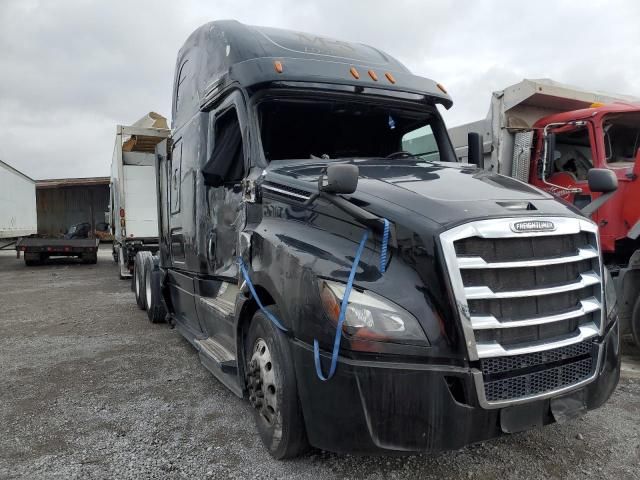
421 141
175 177
573 153
182 75
226 160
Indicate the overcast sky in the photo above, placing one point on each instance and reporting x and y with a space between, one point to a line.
70 70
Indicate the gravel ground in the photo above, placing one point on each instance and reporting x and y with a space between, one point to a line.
91 389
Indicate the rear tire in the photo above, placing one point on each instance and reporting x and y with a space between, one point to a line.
156 310
139 278
89 258
273 392
635 323
32 259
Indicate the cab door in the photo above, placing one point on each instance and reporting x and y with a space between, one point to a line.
224 218
223 175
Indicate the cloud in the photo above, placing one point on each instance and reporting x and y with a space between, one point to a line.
73 69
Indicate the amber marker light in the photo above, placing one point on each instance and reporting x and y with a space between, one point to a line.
373 75
278 66
390 77
355 73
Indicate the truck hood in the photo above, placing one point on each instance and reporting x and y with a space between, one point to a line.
442 192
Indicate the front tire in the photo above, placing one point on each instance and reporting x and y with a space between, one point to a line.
635 323
273 392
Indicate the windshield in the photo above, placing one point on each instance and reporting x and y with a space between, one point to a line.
621 138
303 129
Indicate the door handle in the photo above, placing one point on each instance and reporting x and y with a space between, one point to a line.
211 247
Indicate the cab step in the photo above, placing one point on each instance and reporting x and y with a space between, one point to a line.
221 362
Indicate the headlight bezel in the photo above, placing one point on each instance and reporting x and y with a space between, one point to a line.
385 322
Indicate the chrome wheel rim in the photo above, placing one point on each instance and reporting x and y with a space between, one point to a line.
263 387
148 287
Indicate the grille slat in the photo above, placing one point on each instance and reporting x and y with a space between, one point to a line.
536 383
524 296
471 262
487 322
492 366
585 279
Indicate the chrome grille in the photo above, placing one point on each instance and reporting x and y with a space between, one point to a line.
519 293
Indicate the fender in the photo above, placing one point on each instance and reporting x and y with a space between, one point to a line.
627 285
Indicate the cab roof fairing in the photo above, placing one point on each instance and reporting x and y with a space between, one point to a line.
221 53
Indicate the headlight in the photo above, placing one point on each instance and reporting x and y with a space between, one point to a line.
370 317
610 297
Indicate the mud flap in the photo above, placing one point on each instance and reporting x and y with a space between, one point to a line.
523 417
569 406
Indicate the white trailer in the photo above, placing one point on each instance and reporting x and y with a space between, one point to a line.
133 213
18 217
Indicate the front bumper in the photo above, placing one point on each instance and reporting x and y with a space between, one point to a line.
378 407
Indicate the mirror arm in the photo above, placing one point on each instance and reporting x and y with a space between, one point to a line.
360 214
591 208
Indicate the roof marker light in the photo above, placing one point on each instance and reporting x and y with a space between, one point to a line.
442 89
278 66
373 75
390 77
596 105
355 73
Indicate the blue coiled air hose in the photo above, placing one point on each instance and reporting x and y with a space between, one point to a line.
343 305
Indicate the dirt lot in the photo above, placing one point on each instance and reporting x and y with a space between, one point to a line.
91 389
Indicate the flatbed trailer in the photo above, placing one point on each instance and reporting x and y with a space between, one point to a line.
37 250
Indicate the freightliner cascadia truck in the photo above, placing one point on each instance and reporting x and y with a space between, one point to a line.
551 135
363 296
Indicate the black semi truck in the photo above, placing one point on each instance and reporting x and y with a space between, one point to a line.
364 296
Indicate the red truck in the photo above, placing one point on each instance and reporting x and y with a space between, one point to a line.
551 135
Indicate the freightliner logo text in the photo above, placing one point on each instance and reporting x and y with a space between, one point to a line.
533 226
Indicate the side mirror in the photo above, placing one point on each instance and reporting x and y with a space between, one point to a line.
602 180
340 178
475 154
636 164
